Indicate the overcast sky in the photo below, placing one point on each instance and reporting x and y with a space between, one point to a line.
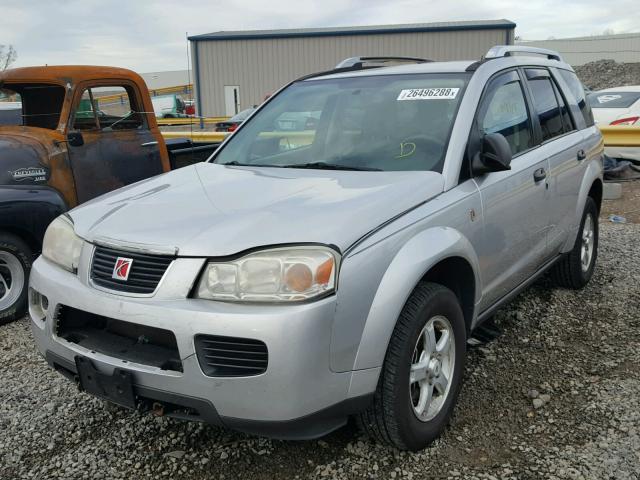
150 35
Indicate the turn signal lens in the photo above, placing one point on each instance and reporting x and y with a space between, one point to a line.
325 271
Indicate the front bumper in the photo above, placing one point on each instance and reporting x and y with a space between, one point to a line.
298 389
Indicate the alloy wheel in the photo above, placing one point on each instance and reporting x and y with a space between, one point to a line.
432 367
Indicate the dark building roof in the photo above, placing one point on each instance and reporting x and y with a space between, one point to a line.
362 30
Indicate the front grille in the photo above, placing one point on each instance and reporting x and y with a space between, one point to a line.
231 356
144 275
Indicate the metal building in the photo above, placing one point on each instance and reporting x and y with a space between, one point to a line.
235 70
580 50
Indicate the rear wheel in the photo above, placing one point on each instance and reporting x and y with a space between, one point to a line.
15 264
422 371
576 268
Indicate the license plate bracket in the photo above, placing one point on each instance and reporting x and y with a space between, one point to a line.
117 388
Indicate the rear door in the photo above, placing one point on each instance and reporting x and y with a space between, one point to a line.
561 143
118 148
514 202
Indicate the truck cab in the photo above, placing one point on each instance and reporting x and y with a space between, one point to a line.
68 135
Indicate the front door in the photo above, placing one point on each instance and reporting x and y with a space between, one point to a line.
231 100
116 147
514 202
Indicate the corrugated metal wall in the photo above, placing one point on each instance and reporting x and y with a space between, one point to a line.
262 66
581 50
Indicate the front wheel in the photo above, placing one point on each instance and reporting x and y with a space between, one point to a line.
576 268
422 371
15 264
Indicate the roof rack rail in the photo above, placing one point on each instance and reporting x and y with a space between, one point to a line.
508 50
359 62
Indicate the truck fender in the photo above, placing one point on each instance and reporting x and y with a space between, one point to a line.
28 210
593 172
405 271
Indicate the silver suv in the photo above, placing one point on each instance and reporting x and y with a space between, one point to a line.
301 276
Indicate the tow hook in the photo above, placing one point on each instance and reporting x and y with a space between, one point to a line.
157 409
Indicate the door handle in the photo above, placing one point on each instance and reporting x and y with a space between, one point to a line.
539 175
149 144
581 155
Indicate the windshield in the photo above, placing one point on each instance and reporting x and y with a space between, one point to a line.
31 105
613 99
390 122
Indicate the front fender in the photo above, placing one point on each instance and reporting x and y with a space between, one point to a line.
414 259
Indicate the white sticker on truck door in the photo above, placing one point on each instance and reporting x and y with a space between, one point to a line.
428 94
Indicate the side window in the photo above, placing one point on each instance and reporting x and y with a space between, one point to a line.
571 79
85 114
564 109
504 110
545 103
108 108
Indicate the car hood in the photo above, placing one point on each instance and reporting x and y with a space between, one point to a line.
215 210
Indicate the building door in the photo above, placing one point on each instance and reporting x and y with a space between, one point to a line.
231 100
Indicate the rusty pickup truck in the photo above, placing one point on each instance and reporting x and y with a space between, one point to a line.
69 134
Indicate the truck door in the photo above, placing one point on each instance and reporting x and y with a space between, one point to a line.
110 144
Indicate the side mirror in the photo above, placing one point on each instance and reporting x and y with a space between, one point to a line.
494 156
75 139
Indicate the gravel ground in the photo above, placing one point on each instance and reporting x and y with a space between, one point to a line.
608 74
555 396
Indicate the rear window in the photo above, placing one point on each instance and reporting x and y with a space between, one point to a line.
31 105
613 99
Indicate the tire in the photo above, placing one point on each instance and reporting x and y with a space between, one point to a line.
571 271
392 417
15 264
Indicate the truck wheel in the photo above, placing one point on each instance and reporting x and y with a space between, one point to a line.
422 371
576 268
15 264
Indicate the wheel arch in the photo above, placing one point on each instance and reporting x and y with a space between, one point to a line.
591 186
439 254
595 192
26 236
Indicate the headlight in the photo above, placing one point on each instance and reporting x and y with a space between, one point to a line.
279 275
61 245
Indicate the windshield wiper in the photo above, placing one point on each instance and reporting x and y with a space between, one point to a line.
236 163
331 166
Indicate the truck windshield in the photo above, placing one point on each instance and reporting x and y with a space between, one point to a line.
31 105
383 122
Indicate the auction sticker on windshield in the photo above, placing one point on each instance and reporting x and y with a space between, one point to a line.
428 94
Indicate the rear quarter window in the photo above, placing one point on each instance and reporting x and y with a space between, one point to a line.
577 90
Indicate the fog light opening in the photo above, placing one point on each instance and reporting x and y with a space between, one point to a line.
39 304
44 303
